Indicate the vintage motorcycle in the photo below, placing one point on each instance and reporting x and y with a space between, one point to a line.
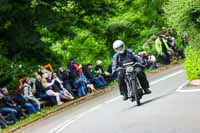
135 91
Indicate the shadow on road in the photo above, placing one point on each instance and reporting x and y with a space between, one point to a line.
157 98
152 100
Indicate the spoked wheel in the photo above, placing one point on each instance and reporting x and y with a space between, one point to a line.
136 92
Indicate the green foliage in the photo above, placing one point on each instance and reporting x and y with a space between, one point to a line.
192 63
12 71
184 17
39 31
85 47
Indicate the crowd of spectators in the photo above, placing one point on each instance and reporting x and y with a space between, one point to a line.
166 47
53 88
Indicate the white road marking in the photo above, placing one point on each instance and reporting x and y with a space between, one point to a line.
95 108
166 77
112 100
63 127
54 130
81 115
66 123
183 85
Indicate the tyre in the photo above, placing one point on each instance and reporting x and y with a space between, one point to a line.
136 92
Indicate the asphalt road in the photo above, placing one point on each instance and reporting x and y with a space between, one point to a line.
163 111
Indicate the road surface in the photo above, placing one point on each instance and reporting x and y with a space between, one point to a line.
164 111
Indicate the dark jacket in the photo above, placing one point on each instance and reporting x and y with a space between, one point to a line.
40 90
75 71
64 76
126 57
89 74
99 69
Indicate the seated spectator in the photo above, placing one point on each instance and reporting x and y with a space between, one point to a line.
55 86
89 86
64 76
59 84
78 77
41 91
43 70
28 94
93 78
4 109
99 70
149 60
9 102
49 88
22 101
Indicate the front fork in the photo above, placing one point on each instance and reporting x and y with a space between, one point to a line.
130 85
133 85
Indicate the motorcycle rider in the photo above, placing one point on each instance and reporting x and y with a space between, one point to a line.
121 57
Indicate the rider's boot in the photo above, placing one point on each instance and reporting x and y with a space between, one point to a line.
125 97
147 91
132 99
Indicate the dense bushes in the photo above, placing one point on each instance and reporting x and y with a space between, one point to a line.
184 17
11 71
192 63
40 31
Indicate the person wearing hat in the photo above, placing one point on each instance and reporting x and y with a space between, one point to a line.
100 71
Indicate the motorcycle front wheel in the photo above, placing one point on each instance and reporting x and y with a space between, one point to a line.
136 92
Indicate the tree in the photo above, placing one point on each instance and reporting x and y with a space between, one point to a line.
184 16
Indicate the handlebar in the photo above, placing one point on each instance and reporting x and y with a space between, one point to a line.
126 64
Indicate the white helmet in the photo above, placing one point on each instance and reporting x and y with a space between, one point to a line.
99 62
119 46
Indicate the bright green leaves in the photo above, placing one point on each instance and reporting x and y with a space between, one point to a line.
184 16
192 63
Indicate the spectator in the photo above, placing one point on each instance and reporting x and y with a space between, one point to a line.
49 88
22 101
162 49
65 77
9 102
78 77
172 45
28 93
98 80
41 91
43 70
64 92
4 109
89 86
99 70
